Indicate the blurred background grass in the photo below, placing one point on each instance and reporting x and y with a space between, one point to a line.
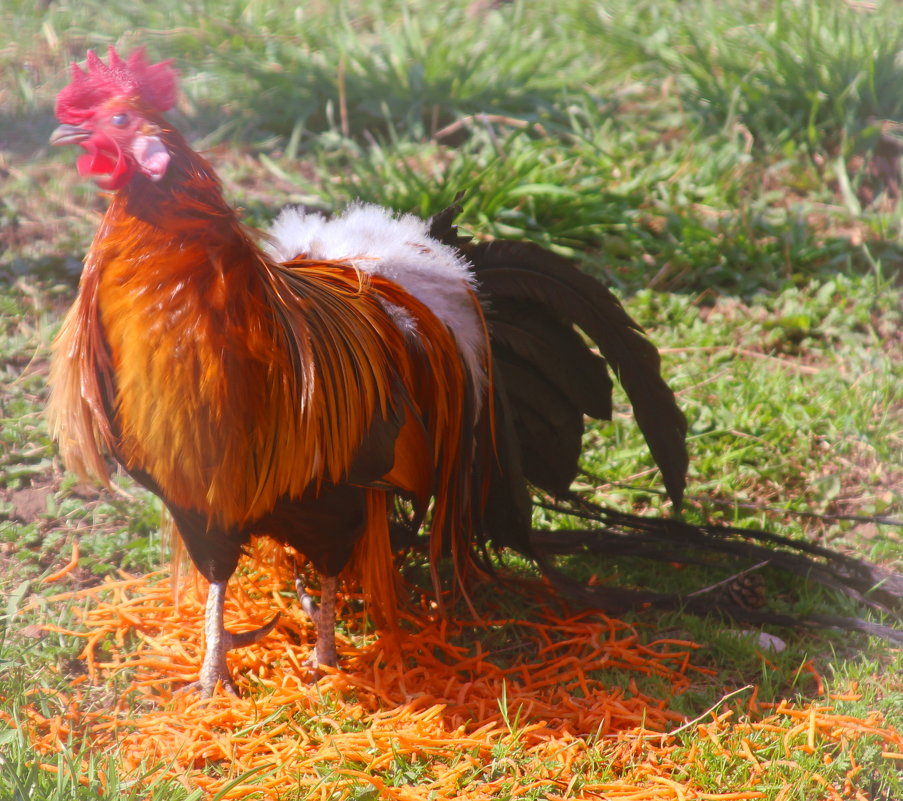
733 146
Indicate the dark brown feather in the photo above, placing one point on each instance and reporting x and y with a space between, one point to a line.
524 270
549 428
619 534
553 350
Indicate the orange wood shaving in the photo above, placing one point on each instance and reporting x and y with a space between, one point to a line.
534 716
67 568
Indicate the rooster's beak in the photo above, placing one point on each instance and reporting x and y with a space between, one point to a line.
69 135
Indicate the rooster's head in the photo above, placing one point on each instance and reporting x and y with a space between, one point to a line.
112 112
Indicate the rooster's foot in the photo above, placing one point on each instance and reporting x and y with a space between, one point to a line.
219 640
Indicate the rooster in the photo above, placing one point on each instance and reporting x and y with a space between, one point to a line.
301 390
350 378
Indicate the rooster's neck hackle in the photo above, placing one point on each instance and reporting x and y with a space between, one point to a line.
186 204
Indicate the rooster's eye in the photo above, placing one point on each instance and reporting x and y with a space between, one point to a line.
119 119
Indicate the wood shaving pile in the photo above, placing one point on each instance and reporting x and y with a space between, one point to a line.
533 717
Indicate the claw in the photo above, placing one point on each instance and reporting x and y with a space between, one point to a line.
307 603
244 638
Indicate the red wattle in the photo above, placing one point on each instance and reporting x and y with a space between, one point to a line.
103 157
95 163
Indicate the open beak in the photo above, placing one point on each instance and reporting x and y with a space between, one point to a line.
69 135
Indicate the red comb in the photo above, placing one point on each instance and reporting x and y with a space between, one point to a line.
153 84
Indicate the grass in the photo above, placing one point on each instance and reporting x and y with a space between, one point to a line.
718 164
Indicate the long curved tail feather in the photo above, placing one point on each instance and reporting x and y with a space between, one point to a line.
617 534
546 379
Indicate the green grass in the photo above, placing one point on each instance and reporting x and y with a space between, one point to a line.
715 163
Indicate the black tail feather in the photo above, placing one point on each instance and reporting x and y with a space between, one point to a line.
617 600
534 301
547 379
531 275
621 534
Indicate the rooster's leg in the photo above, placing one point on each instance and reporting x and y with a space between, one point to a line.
323 617
219 640
326 652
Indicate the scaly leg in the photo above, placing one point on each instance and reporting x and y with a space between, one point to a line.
219 640
326 650
323 617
